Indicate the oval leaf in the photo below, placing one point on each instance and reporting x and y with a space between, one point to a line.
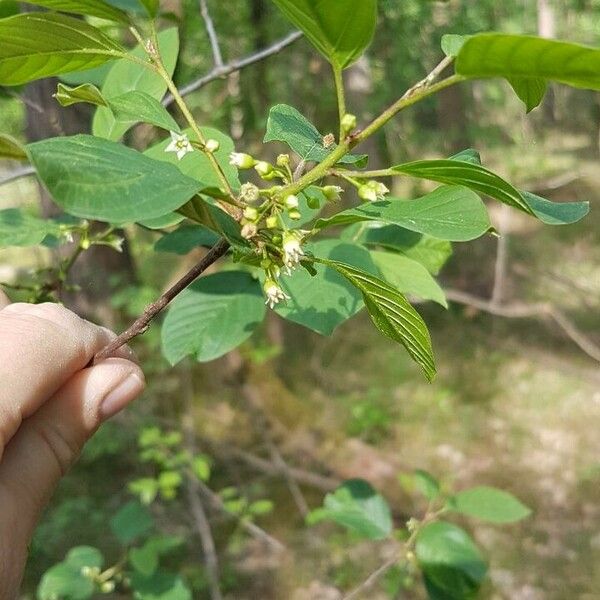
92 8
392 314
452 564
66 96
20 229
133 107
489 504
212 317
95 178
450 213
340 29
37 45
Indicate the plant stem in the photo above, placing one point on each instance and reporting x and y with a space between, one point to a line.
341 98
337 172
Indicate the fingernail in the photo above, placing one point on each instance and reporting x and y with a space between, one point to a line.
123 394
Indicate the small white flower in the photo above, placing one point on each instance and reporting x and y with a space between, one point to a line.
292 250
212 145
292 201
249 193
263 168
274 293
332 192
241 160
180 144
249 230
373 191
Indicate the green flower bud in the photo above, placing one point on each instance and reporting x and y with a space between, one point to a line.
212 145
241 160
272 222
283 160
332 192
263 168
291 201
249 193
251 213
348 123
295 214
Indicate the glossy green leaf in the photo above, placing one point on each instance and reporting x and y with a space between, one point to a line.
358 507
185 239
159 586
392 314
428 251
38 45
521 56
162 222
452 44
98 179
197 164
134 107
489 504
324 301
530 90
408 276
468 174
87 93
91 8
212 317
469 155
95 76
556 213
340 29
131 522
18 228
126 76
451 213
452 565
286 124
11 148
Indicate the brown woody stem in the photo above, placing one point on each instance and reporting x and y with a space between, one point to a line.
141 324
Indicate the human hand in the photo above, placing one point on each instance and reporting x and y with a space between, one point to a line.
51 403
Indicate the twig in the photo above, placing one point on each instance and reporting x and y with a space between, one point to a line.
17 174
526 311
141 324
372 579
235 65
212 34
501 264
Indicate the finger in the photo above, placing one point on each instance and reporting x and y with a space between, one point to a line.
41 347
4 300
48 443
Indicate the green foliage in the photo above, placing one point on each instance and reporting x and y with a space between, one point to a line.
489 504
92 8
358 507
45 44
133 107
98 179
18 228
131 522
11 148
340 29
185 238
87 93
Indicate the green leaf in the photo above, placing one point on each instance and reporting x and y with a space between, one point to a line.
65 582
185 239
98 179
126 76
18 228
131 522
452 44
95 76
151 7
530 90
197 165
392 314
286 124
428 251
133 107
489 504
408 276
11 148
91 8
201 467
84 556
469 155
145 559
146 488
88 93
159 586
212 317
37 45
529 57
324 301
556 213
427 484
475 177
340 29
452 565
358 507
451 213
162 222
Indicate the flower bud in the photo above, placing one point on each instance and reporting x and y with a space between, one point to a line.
328 140
312 201
292 201
295 214
249 193
332 192
283 160
107 587
263 168
367 193
272 222
249 230
250 213
241 160
212 145
348 123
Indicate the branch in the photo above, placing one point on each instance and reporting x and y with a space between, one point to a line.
372 579
17 174
141 324
212 34
235 65
527 311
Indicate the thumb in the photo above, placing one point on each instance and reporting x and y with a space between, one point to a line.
49 441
